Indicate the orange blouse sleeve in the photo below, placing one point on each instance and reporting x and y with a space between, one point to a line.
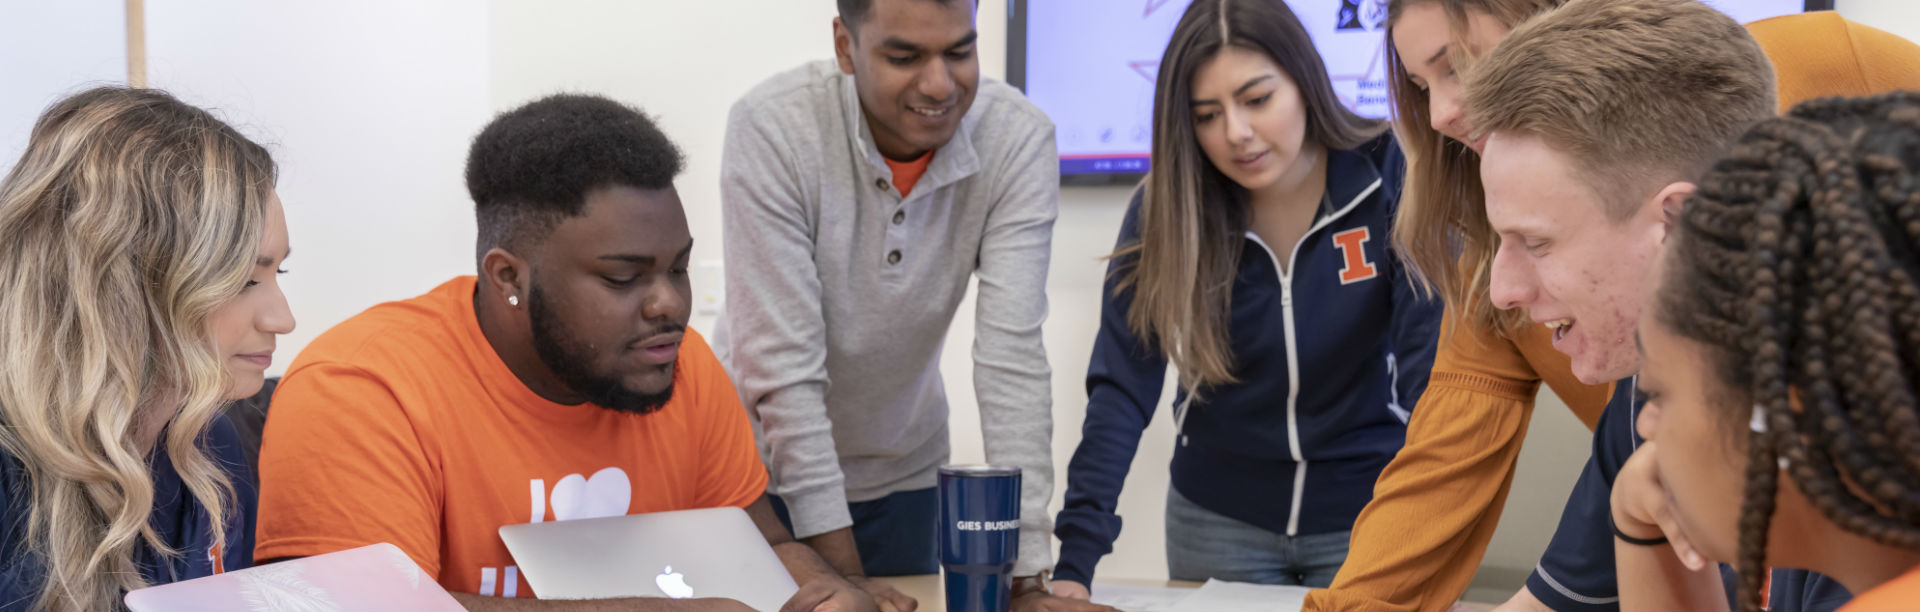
1417 545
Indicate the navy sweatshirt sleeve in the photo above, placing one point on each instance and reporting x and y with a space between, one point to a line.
1576 573
228 450
1416 317
20 574
1123 387
23 571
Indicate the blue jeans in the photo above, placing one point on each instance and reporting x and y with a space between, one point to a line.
1202 544
896 535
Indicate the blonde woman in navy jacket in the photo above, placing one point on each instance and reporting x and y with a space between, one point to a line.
1254 260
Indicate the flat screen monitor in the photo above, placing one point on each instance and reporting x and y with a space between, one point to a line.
1091 65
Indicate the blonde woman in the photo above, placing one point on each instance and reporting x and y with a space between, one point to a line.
1419 542
139 244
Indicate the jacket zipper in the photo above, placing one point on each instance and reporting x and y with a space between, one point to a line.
1293 350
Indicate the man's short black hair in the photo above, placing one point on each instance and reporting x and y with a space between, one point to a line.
533 166
853 12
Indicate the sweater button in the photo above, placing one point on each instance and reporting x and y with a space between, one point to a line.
882 184
894 257
899 217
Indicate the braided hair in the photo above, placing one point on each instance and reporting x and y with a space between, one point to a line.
1795 264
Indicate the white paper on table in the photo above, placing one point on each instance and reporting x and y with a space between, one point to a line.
1135 598
1223 596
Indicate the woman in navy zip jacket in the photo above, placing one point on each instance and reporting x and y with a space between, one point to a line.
1255 260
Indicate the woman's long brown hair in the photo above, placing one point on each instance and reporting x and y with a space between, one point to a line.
1192 217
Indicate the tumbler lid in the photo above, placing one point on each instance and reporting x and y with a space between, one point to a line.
978 470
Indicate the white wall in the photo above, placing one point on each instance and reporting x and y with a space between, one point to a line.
49 50
1900 17
660 57
368 106
665 59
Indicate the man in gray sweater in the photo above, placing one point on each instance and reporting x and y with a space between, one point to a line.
860 196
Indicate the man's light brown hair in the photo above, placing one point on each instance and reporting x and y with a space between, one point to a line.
1637 93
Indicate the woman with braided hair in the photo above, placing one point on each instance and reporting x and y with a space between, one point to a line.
1784 342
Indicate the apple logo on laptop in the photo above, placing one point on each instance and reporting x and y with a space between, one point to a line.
673 584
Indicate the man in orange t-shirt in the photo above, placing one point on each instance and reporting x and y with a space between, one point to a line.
561 383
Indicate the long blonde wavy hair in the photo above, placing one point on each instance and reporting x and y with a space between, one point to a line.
130 218
1442 223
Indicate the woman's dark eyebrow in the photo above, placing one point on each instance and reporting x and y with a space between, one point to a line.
1243 89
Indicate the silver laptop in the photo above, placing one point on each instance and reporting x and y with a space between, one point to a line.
712 552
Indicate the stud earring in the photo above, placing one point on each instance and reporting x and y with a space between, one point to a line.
513 300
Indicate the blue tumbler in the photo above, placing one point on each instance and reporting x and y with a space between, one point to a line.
979 535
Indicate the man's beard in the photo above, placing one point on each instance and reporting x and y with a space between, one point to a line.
572 362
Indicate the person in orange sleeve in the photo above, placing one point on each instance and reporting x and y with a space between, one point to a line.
1419 543
562 383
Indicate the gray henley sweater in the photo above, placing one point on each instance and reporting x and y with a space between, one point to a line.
840 293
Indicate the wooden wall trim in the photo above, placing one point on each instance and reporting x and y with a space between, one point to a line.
136 43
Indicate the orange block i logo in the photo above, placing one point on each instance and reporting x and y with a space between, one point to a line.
1354 265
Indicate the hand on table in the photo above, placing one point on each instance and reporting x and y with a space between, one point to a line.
885 596
1640 506
1071 590
832 594
1068 596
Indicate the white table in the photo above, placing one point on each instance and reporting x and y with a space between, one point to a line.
931 592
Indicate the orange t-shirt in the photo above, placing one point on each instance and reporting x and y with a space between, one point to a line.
907 174
402 425
1901 593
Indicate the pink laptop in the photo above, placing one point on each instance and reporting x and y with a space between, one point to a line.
377 577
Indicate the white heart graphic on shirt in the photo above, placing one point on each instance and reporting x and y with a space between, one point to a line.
607 493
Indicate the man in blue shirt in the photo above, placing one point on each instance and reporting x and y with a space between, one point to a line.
1596 117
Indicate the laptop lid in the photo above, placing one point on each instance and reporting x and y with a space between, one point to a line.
711 552
377 577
